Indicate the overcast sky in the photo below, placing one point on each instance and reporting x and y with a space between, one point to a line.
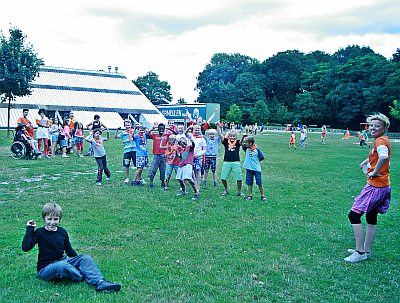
176 39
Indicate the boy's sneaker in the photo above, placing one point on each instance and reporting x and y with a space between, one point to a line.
108 178
249 198
151 186
166 188
264 198
143 182
98 183
240 194
162 184
181 193
351 251
64 156
196 196
126 181
356 257
106 286
224 193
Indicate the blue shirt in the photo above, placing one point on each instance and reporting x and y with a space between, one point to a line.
251 162
141 146
212 146
128 145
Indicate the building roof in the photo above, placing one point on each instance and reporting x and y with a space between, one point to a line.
85 93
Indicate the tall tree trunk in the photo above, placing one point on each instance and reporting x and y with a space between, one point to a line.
8 116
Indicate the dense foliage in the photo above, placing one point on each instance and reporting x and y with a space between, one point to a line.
293 87
19 65
157 91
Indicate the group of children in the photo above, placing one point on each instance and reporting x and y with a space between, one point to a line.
53 241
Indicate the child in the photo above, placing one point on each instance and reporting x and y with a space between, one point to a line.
172 158
292 140
55 132
53 241
79 139
142 160
22 135
99 153
375 197
323 134
94 125
185 168
211 156
253 166
231 159
65 135
303 137
199 152
129 147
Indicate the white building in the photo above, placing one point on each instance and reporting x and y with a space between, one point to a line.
85 93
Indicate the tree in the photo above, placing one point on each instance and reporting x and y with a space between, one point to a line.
19 65
181 101
234 114
260 112
395 110
396 56
157 91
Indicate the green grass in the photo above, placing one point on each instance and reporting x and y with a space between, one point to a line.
164 248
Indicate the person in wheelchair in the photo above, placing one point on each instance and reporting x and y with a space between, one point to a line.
22 136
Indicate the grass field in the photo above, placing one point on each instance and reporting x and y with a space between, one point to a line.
164 248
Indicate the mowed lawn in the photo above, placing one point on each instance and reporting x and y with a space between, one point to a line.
165 248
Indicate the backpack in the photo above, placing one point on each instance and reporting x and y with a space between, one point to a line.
260 154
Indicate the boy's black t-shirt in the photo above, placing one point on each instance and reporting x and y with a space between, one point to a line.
231 154
52 244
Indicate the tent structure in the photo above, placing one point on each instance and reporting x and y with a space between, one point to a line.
85 93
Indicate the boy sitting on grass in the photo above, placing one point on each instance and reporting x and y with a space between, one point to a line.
53 241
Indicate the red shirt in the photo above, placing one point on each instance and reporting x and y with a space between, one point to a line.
157 138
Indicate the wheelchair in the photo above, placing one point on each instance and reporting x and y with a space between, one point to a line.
20 150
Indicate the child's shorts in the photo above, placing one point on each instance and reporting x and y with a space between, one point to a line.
253 173
211 162
54 139
185 172
128 157
64 143
78 140
234 167
198 163
171 168
372 198
142 161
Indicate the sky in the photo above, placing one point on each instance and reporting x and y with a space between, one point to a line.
176 39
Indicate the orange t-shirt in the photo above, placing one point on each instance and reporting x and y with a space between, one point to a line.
383 180
29 126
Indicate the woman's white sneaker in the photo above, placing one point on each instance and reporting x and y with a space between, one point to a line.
356 257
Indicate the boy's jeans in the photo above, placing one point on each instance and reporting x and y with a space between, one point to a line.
159 161
75 269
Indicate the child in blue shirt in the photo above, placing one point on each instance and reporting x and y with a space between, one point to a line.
253 166
211 155
142 155
129 147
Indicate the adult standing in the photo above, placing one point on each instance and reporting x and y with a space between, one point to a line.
42 132
28 124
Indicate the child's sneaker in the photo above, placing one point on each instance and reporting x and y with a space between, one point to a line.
356 257
64 156
240 194
108 178
106 286
181 193
249 198
126 181
98 183
196 196
225 193
350 251
264 198
142 182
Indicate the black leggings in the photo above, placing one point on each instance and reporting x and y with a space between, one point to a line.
371 217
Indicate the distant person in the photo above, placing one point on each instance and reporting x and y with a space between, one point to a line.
129 143
231 162
55 132
65 137
211 156
95 124
28 124
375 196
42 131
97 142
53 242
253 166
303 137
171 152
292 140
79 137
323 134
199 120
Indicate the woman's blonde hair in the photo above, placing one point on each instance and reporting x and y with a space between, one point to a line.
51 209
380 117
